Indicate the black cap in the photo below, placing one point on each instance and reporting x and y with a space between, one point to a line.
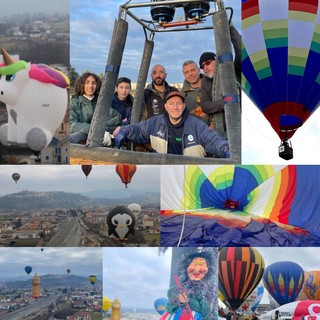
205 57
173 94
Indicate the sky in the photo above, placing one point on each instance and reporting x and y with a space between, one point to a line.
34 6
91 28
81 261
70 178
138 276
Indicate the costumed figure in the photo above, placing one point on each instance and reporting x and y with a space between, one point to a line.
193 296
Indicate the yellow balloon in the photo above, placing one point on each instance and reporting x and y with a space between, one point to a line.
106 304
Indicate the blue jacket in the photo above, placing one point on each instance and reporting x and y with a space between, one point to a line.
197 138
124 107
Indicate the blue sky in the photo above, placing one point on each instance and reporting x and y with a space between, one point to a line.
70 178
91 28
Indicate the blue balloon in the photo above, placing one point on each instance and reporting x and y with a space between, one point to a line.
160 305
28 269
284 281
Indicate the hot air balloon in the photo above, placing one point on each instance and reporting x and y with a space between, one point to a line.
42 249
240 205
121 222
36 287
240 271
160 305
28 269
283 280
106 303
86 168
135 208
16 177
280 63
92 279
126 172
68 271
311 286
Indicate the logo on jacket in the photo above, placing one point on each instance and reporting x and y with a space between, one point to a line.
161 134
190 138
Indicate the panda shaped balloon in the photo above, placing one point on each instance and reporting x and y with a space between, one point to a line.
120 221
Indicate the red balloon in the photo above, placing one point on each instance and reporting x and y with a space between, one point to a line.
86 168
126 172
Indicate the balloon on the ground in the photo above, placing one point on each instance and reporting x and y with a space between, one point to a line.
311 286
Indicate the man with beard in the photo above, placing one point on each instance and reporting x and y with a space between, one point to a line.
191 90
156 92
193 296
211 93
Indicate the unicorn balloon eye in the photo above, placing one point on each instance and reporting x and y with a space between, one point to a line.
36 102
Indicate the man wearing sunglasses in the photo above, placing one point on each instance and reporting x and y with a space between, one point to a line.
211 93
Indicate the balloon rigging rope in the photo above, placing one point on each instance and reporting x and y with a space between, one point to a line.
184 206
255 128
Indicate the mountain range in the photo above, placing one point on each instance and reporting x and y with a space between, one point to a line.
32 200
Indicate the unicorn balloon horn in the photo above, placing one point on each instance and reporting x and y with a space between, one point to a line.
7 58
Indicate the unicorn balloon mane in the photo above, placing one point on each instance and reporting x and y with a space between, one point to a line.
36 98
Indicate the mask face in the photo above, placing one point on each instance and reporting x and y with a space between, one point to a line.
197 269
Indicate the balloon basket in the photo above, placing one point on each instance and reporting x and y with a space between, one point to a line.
285 150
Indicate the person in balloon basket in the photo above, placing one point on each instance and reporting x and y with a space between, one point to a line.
175 132
192 297
156 92
212 101
82 107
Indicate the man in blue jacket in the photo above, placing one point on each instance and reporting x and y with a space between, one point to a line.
176 132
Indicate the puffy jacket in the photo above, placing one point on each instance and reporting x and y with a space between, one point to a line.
197 138
153 100
124 107
81 112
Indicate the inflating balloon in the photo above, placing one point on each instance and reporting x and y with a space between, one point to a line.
16 177
28 269
283 280
92 279
126 172
311 286
240 271
36 98
121 222
160 305
86 169
241 204
280 63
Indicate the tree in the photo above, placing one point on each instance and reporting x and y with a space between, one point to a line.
74 75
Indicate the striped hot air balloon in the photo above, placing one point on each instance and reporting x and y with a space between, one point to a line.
126 172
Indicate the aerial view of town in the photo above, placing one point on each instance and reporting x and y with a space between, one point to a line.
35 216
51 283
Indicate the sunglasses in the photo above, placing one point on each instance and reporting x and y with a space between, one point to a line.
206 63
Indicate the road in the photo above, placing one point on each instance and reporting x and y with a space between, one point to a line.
35 307
68 235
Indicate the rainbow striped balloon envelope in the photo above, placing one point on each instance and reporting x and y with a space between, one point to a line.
281 60
230 205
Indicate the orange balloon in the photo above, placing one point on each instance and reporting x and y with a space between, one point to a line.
311 287
126 172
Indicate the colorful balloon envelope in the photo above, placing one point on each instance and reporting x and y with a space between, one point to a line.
283 280
311 286
106 303
280 60
240 271
160 305
126 172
